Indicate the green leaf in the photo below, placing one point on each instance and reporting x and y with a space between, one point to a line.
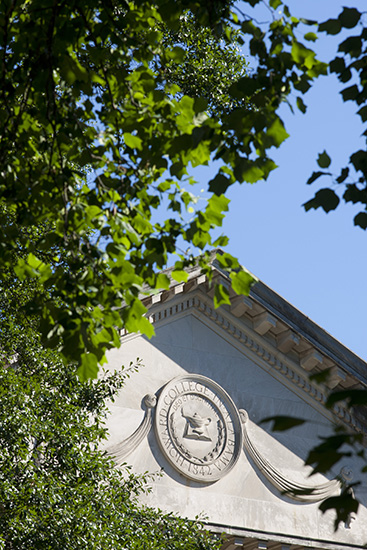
219 184
179 275
349 17
277 132
350 93
177 54
71 69
311 36
218 203
248 27
242 282
337 65
221 296
162 281
352 46
33 267
200 104
133 141
359 161
326 198
275 4
354 194
303 84
221 241
316 175
301 106
253 2
244 87
343 175
88 367
323 160
249 171
363 113
331 26
361 220
227 261
302 55
144 326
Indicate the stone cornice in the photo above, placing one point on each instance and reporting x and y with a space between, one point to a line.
310 331
275 319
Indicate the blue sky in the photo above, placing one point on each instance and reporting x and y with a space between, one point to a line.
316 261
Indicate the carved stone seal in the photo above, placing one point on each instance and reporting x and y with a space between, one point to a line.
198 428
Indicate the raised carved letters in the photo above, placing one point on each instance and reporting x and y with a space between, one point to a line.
198 428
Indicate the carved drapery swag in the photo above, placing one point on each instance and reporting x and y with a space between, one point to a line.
296 491
121 450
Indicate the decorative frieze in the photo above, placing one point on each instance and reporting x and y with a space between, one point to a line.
201 433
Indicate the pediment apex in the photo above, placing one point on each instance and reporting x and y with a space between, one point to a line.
284 332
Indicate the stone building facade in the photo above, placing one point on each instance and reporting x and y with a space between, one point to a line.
193 413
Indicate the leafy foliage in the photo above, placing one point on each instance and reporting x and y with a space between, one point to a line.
96 142
208 56
57 488
350 68
99 128
287 66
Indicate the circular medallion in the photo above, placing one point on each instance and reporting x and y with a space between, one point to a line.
198 428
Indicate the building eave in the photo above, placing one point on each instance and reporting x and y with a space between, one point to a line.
291 335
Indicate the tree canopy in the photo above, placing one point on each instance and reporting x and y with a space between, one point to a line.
95 139
104 110
57 488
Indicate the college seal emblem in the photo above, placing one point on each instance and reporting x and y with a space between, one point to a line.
198 428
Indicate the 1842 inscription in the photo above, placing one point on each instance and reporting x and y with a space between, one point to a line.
198 428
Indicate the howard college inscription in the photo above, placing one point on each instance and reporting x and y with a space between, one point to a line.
198 428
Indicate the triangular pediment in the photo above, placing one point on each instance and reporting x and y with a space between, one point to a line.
194 412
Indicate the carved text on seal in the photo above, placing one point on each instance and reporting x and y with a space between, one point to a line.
198 428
